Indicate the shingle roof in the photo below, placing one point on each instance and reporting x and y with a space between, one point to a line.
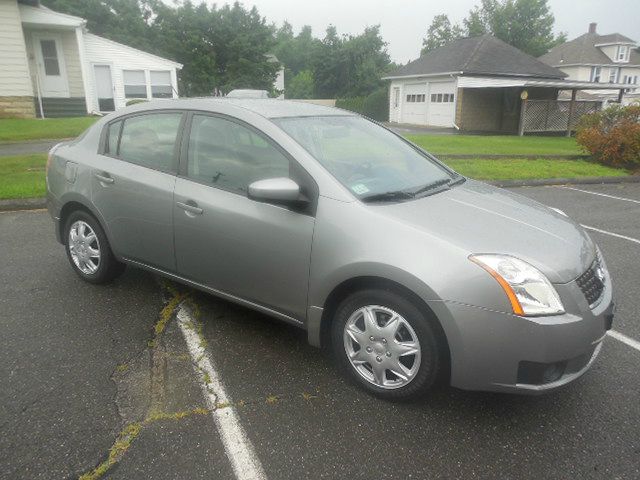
485 55
583 50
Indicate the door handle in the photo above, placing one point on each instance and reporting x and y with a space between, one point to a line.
190 207
104 178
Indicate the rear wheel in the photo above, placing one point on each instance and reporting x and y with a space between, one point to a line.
88 249
386 344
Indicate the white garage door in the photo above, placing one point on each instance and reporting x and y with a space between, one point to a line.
414 104
441 111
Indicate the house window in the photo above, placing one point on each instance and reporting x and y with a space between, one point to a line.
613 75
396 97
135 84
161 84
50 57
451 97
623 53
595 74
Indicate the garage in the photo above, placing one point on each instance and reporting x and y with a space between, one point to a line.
441 108
414 103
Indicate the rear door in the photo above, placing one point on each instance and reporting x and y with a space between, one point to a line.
133 182
254 251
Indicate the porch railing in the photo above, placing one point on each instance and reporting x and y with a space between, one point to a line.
553 115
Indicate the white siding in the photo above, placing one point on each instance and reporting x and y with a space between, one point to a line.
14 69
120 57
69 45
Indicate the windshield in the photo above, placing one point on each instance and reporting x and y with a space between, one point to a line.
369 160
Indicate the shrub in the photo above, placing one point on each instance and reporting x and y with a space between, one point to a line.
375 105
135 100
612 136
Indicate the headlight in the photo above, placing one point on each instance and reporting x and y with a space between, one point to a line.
528 290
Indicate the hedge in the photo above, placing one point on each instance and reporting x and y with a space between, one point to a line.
375 105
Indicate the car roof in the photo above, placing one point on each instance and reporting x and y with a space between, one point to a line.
268 108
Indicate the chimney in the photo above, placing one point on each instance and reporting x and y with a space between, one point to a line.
592 27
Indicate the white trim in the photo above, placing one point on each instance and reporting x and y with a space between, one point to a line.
609 44
626 65
44 16
401 77
83 68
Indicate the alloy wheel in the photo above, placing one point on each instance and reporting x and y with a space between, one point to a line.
84 247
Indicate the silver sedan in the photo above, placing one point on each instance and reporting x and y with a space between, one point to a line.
409 272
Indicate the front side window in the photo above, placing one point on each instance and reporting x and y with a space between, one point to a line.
135 84
231 156
623 53
613 75
50 58
161 84
595 74
150 139
366 158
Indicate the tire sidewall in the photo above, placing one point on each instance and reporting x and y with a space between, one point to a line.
430 363
107 259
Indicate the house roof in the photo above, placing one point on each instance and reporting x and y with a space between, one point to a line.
484 55
45 17
583 51
102 40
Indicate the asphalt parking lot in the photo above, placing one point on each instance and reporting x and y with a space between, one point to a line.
85 369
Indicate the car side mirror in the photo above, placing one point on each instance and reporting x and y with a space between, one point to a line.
276 190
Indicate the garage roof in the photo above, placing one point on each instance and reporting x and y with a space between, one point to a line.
484 55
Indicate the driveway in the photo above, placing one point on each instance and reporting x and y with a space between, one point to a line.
27 148
80 362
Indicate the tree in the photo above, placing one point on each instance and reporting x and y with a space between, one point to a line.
524 24
300 86
440 32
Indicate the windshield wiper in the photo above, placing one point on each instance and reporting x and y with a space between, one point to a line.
388 196
433 186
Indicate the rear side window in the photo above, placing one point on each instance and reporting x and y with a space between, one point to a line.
228 155
149 140
113 133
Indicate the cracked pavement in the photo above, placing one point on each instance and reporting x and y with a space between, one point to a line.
80 362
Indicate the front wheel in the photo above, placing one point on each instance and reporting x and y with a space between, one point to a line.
88 249
386 344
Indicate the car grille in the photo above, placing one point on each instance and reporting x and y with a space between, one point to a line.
591 282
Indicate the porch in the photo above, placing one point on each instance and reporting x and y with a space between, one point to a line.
524 106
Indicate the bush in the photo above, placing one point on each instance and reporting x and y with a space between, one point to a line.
374 106
612 136
135 100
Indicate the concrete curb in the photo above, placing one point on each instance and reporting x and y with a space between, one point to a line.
23 204
41 202
565 181
511 157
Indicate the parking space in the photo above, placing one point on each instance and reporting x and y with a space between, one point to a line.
74 357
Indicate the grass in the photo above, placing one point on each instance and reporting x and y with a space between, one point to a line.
496 145
522 169
21 129
22 176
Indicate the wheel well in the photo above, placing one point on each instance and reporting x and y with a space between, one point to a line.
362 283
67 210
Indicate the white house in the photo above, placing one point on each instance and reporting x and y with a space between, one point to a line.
50 64
591 57
483 84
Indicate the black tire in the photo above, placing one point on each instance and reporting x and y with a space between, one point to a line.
108 267
433 352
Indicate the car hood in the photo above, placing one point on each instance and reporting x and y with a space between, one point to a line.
480 218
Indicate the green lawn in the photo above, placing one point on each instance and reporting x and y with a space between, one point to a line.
19 129
521 169
22 176
496 145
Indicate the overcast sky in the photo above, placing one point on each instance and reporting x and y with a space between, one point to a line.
404 22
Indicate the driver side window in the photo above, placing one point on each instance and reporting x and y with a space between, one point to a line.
231 156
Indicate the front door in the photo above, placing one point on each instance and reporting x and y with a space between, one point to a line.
104 88
255 251
52 75
132 186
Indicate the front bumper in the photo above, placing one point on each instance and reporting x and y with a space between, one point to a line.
502 352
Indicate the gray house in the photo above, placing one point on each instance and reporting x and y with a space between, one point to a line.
483 84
